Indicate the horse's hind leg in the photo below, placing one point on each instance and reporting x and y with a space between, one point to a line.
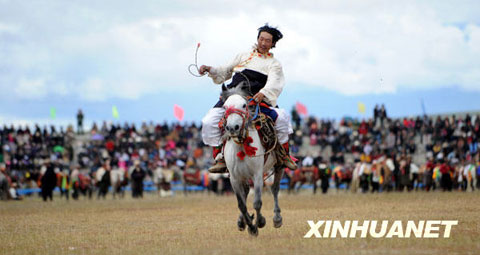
277 218
257 202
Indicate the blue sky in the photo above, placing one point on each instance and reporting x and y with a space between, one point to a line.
93 55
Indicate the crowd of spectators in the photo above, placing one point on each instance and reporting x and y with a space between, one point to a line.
417 147
446 137
442 139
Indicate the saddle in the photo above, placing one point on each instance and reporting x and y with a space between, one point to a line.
265 126
268 135
266 130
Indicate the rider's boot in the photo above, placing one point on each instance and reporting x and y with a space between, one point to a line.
220 166
287 159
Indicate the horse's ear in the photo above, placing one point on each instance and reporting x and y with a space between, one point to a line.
224 88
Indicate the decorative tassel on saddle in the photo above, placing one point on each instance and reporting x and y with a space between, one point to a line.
248 149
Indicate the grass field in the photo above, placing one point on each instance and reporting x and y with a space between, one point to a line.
206 224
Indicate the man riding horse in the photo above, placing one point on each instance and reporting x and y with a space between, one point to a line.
264 76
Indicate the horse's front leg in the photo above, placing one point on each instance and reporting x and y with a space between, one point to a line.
257 202
242 206
241 221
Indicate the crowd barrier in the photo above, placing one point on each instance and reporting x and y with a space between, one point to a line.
149 186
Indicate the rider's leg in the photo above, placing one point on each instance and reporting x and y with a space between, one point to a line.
212 136
219 166
284 129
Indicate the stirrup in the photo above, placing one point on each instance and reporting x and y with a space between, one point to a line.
219 168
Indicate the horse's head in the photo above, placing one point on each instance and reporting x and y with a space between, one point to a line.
236 111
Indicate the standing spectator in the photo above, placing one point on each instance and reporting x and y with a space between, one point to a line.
63 182
428 173
103 179
446 181
414 171
325 175
376 113
80 122
404 174
137 175
75 181
383 114
4 187
48 181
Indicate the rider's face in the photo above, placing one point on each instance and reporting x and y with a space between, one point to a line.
264 42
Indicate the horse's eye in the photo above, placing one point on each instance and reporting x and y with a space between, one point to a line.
244 105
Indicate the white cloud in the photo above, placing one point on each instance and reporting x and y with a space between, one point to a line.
5 28
355 48
30 89
93 89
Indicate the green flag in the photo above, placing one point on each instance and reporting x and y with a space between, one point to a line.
53 113
115 112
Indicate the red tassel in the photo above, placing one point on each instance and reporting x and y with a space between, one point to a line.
241 155
248 150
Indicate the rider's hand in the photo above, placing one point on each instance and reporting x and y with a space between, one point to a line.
258 97
204 69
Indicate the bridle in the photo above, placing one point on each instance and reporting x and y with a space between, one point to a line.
244 115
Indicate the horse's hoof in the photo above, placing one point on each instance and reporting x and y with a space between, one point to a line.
241 225
261 222
253 231
277 221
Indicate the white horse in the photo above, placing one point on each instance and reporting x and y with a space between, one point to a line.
118 181
244 163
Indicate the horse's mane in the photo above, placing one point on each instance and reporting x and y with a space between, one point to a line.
240 89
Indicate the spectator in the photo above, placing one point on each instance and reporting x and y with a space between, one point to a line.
48 180
4 186
137 175
80 122
103 179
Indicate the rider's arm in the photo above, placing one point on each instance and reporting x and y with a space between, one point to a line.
275 82
222 73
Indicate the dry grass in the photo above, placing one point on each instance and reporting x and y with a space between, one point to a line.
206 224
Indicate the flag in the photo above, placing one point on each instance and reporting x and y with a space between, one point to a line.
301 109
361 107
178 112
115 112
53 113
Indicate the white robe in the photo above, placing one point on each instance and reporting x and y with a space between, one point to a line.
265 64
